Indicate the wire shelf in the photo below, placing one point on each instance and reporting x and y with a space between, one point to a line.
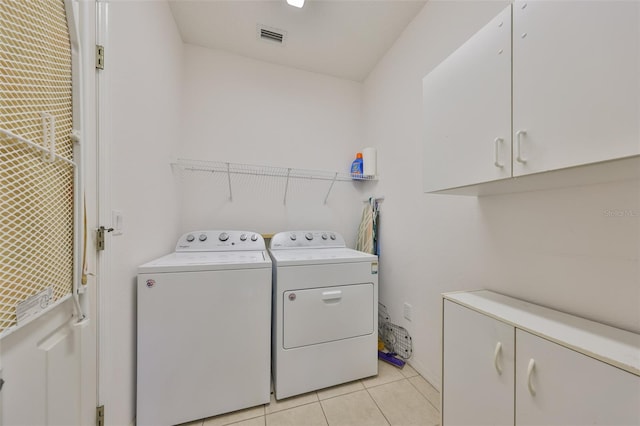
287 173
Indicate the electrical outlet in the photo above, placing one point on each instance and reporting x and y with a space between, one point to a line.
407 311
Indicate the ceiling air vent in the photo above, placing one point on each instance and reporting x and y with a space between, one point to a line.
272 35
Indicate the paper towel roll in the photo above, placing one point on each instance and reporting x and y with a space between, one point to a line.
369 162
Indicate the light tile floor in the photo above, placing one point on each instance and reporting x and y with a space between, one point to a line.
396 397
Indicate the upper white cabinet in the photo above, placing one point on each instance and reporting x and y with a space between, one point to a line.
467 111
576 83
568 96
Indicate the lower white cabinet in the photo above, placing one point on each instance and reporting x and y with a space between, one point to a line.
506 362
559 386
478 364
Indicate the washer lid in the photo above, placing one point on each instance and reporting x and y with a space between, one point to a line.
207 261
319 256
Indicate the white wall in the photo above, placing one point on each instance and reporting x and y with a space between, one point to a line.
247 111
142 86
572 249
559 248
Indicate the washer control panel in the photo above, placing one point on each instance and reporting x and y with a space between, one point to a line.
220 241
306 239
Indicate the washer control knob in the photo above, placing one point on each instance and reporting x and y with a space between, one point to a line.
254 237
308 236
223 237
325 236
293 237
243 237
190 238
333 236
203 237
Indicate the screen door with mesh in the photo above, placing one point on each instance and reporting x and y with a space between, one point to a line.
36 155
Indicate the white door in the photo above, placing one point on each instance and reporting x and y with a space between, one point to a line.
478 368
576 83
42 370
558 386
467 111
48 366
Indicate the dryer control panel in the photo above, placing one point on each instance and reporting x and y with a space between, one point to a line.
306 239
220 241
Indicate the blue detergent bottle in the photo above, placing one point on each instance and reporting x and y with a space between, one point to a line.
356 167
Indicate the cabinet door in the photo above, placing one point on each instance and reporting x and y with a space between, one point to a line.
467 111
576 83
564 387
477 370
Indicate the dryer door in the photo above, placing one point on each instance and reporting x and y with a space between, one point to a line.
320 315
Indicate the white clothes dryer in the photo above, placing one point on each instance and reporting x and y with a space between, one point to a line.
204 315
325 312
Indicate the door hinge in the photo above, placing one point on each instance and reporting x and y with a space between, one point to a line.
99 57
100 415
100 237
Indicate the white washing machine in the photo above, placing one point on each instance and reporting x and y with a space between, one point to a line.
204 328
325 312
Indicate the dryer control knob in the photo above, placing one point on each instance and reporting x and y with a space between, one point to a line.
190 238
243 237
293 237
325 236
308 236
333 236
254 237
223 237
202 237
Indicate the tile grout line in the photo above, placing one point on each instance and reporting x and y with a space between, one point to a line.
428 400
385 383
346 393
264 414
291 408
376 402
322 408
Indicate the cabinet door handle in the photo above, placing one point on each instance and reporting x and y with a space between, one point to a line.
496 161
332 295
532 365
519 135
496 354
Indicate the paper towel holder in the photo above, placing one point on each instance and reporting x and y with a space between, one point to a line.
369 161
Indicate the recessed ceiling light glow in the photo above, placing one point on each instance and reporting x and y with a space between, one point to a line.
296 3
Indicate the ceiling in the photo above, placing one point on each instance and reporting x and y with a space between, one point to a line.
342 38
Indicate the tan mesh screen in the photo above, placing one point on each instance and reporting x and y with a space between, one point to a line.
36 197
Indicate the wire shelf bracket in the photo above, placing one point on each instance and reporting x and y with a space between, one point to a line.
49 150
229 181
330 188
